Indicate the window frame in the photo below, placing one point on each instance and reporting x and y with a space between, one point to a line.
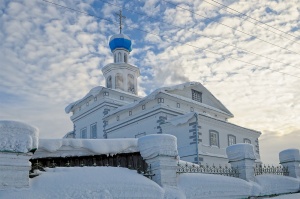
211 132
196 96
91 133
81 133
160 100
228 139
246 139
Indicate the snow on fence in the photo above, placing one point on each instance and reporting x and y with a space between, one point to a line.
218 170
132 161
275 170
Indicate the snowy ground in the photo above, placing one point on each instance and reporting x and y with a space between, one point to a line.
289 196
88 182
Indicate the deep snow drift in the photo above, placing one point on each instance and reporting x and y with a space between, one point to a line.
88 182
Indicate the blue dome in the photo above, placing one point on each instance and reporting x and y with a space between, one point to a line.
120 41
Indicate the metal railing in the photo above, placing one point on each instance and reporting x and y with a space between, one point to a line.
218 170
276 170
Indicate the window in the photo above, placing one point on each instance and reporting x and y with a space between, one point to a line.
192 109
214 138
119 81
79 108
178 105
130 113
121 97
197 96
118 118
125 58
83 133
160 100
143 107
130 83
231 140
115 58
94 131
106 94
247 141
109 82
119 57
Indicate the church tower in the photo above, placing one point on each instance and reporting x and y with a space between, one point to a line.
120 74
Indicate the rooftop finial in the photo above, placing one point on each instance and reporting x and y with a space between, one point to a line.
120 19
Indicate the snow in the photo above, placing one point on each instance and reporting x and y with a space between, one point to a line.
277 184
95 146
195 185
17 137
151 146
165 90
288 196
182 119
88 182
289 155
241 151
93 92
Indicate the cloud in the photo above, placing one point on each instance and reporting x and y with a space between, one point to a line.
51 57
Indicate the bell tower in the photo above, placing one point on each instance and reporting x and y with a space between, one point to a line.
120 74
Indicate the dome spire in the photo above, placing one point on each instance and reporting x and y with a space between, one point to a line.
120 19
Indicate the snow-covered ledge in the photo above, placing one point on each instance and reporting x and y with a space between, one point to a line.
242 157
291 158
160 151
17 140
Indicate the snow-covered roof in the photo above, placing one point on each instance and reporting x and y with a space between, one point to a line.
79 147
166 90
92 93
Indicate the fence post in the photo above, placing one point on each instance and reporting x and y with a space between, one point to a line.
242 157
290 158
160 151
16 141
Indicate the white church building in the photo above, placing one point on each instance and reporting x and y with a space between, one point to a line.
188 111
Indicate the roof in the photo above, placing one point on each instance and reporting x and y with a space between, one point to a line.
92 93
166 91
120 41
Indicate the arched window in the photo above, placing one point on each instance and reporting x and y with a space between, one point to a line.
125 58
109 82
119 81
115 58
119 57
130 83
247 141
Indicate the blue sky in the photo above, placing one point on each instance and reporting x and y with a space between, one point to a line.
50 57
